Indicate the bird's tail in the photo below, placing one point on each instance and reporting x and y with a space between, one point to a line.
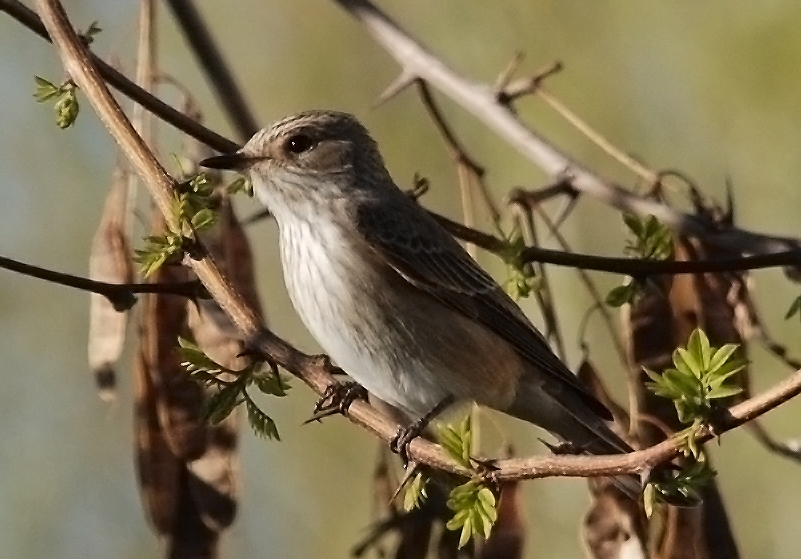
567 416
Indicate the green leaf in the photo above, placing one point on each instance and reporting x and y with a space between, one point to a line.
415 493
723 392
194 359
272 384
688 358
622 294
242 184
158 250
67 109
475 510
221 403
262 424
203 219
634 224
45 90
698 345
457 441
720 357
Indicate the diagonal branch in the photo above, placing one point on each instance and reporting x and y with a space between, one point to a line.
228 93
480 100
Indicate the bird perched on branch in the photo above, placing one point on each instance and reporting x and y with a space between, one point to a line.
393 298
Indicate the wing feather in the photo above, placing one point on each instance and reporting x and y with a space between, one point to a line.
425 255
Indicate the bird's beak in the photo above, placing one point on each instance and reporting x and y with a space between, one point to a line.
236 161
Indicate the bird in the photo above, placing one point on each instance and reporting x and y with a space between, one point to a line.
394 299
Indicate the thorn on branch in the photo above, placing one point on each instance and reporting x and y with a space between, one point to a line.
404 80
526 86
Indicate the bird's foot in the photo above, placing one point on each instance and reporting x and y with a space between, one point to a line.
337 398
400 443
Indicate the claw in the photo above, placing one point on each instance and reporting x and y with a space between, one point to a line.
337 398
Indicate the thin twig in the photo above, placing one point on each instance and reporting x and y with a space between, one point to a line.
641 460
544 294
121 295
459 154
592 289
227 91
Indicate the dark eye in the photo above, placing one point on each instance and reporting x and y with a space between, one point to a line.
299 143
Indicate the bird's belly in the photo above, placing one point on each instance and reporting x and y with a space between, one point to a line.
341 306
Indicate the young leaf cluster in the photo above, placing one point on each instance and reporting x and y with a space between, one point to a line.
698 378
231 393
242 184
158 250
475 511
648 239
66 106
416 492
192 206
521 281
473 503
685 484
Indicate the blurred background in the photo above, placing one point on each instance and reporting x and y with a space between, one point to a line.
710 88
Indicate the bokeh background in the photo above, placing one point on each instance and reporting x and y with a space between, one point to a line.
710 88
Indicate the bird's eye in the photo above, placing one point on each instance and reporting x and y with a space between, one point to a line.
299 143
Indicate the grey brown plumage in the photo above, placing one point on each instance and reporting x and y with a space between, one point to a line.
392 297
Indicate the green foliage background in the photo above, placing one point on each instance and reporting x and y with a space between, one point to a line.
710 88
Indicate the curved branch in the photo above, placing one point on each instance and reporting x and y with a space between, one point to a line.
314 371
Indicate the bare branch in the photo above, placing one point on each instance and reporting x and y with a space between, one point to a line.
226 90
121 295
481 101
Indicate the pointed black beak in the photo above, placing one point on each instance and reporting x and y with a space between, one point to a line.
235 161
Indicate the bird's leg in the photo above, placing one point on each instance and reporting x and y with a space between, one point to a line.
400 443
337 398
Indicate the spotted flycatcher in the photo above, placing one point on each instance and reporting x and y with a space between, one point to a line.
392 297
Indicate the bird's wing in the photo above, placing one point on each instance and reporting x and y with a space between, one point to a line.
426 256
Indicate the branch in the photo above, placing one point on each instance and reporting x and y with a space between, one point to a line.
635 267
480 100
226 90
29 19
642 460
315 371
120 295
